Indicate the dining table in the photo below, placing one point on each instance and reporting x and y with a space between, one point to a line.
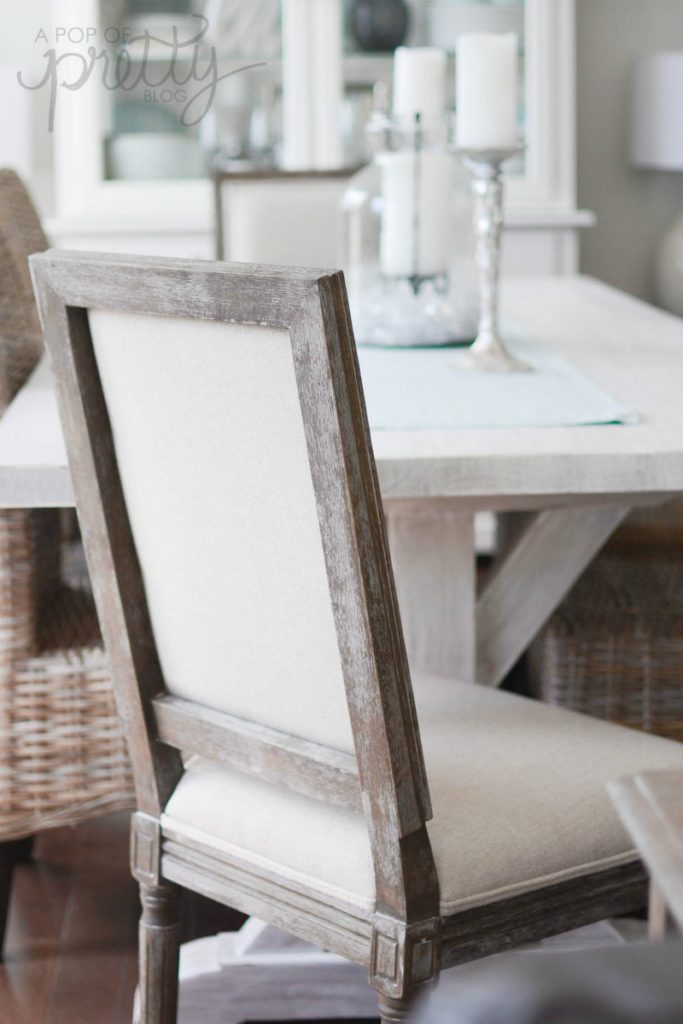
558 488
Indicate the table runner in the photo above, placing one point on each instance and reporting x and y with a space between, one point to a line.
429 388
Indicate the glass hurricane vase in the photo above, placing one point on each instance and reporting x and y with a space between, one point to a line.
408 222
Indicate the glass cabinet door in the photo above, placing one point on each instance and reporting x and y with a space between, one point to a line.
162 123
193 79
145 131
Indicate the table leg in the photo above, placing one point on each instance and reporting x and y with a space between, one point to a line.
449 629
432 550
546 555
658 914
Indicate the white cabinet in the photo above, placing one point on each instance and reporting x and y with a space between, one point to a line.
176 216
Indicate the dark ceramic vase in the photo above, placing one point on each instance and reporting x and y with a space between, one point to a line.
379 25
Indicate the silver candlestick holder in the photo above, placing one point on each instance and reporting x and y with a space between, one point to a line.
489 352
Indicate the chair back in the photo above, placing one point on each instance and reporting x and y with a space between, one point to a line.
21 235
280 217
231 515
29 539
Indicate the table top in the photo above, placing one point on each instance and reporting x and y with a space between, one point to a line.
631 350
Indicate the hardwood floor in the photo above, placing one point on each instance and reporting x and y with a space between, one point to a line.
71 948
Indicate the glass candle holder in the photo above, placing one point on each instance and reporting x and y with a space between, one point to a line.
408 220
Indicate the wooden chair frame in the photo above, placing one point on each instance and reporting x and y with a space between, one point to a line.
403 942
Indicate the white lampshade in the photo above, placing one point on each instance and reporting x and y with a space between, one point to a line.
657 112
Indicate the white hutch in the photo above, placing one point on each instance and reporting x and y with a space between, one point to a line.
95 209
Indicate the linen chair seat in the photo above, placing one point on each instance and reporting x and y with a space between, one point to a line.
518 791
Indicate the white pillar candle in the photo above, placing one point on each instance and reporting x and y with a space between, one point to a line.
419 81
486 91
416 213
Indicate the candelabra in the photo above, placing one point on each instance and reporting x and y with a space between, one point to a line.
488 351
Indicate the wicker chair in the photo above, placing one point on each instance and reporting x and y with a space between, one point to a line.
614 649
62 753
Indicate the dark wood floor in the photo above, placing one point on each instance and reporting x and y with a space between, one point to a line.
70 953
70 947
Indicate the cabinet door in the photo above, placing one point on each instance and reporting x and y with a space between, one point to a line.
276 102
134 153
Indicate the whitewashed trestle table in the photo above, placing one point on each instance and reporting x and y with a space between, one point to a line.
564 491
569 487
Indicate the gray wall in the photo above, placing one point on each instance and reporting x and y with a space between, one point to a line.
633 207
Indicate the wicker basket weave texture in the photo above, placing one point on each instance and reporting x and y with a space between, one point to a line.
20 235
615 647
62 753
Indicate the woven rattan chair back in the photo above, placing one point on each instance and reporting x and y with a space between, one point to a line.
21 234
62 753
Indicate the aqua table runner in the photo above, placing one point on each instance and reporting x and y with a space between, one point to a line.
430 389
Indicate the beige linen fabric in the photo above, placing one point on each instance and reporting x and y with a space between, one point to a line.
518 790
210 444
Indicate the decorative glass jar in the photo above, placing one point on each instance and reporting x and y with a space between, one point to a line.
408 223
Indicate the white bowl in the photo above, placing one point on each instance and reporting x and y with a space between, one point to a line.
150 155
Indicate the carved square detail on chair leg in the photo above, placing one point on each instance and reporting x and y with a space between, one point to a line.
145 849
385 957
403 956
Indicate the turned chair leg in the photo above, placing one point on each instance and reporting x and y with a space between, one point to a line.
12 852
6 871
159 949
393 1011
23 850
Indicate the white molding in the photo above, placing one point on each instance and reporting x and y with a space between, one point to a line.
121 207
548 217
186 207
550 108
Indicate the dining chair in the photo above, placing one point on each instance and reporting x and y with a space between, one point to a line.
21 234
614 647
231 512
276 216
62 751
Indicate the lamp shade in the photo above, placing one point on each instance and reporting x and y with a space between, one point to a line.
657 111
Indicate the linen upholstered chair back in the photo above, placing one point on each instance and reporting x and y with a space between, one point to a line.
228 497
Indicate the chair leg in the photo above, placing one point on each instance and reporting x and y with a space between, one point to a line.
24 850
159 949
6 870
393 1011
12 852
